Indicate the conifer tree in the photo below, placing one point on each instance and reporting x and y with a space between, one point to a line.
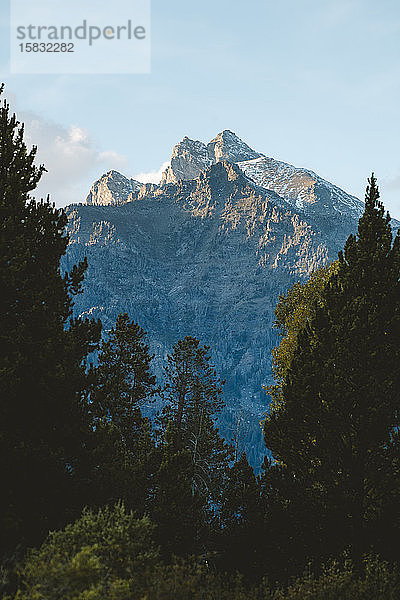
289 528
192 386
241 519
177 510
335 428
292 312
123 377
43 413
192 396
193 400
123 442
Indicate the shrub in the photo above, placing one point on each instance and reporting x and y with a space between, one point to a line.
99 556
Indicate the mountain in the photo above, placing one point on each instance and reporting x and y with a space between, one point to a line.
227 146
190 157
112 188
207 253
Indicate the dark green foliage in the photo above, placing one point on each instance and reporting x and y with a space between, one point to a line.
193 453
43 414
292 312
176 508
70 435
123 447
192 387
335 427
375 580
241 520
193 396
123 378
289 524
99 556
86 574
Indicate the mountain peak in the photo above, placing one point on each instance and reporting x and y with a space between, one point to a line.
228 146
111 188
188 159
299 187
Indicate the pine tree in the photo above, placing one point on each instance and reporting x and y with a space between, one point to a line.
123 441
335 428
289 535
177 510
123 377
192 387
192 396
241 519
43 412
193 400
292 312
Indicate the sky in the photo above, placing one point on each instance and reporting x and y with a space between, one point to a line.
315 83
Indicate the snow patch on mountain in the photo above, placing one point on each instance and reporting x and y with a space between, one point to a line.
303 188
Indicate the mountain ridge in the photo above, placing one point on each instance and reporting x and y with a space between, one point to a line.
191 157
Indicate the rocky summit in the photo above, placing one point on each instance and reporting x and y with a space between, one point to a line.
207 253
111 188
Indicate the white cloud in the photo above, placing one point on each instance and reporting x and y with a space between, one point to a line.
70 157
152 176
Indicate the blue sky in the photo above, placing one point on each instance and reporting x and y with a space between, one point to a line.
315 83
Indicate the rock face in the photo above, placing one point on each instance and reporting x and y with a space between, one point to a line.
111 188
207 253
302 188
227 146
188 159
